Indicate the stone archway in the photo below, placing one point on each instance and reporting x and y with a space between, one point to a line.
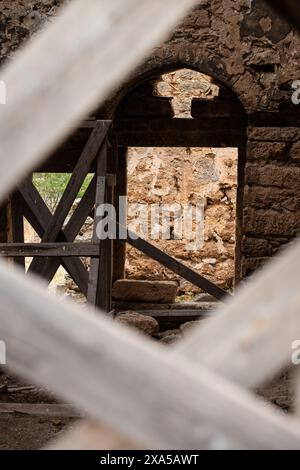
143 102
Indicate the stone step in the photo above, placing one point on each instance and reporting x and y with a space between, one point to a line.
130 290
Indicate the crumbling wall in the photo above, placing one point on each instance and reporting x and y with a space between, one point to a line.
256 53
20 19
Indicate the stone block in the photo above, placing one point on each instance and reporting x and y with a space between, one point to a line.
272 175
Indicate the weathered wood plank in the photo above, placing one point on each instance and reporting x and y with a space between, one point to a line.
38 215
62 88
175 266
296 388
257 327
58 249
152 396
289 9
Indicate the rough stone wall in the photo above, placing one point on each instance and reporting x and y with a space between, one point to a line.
246 45
186 175
272 193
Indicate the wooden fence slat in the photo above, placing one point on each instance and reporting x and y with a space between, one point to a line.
130 383
106 39
104 287
119 248
256 328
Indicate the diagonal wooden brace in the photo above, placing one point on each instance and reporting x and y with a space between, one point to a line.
38 214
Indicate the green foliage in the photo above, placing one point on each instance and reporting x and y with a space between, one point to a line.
52 185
